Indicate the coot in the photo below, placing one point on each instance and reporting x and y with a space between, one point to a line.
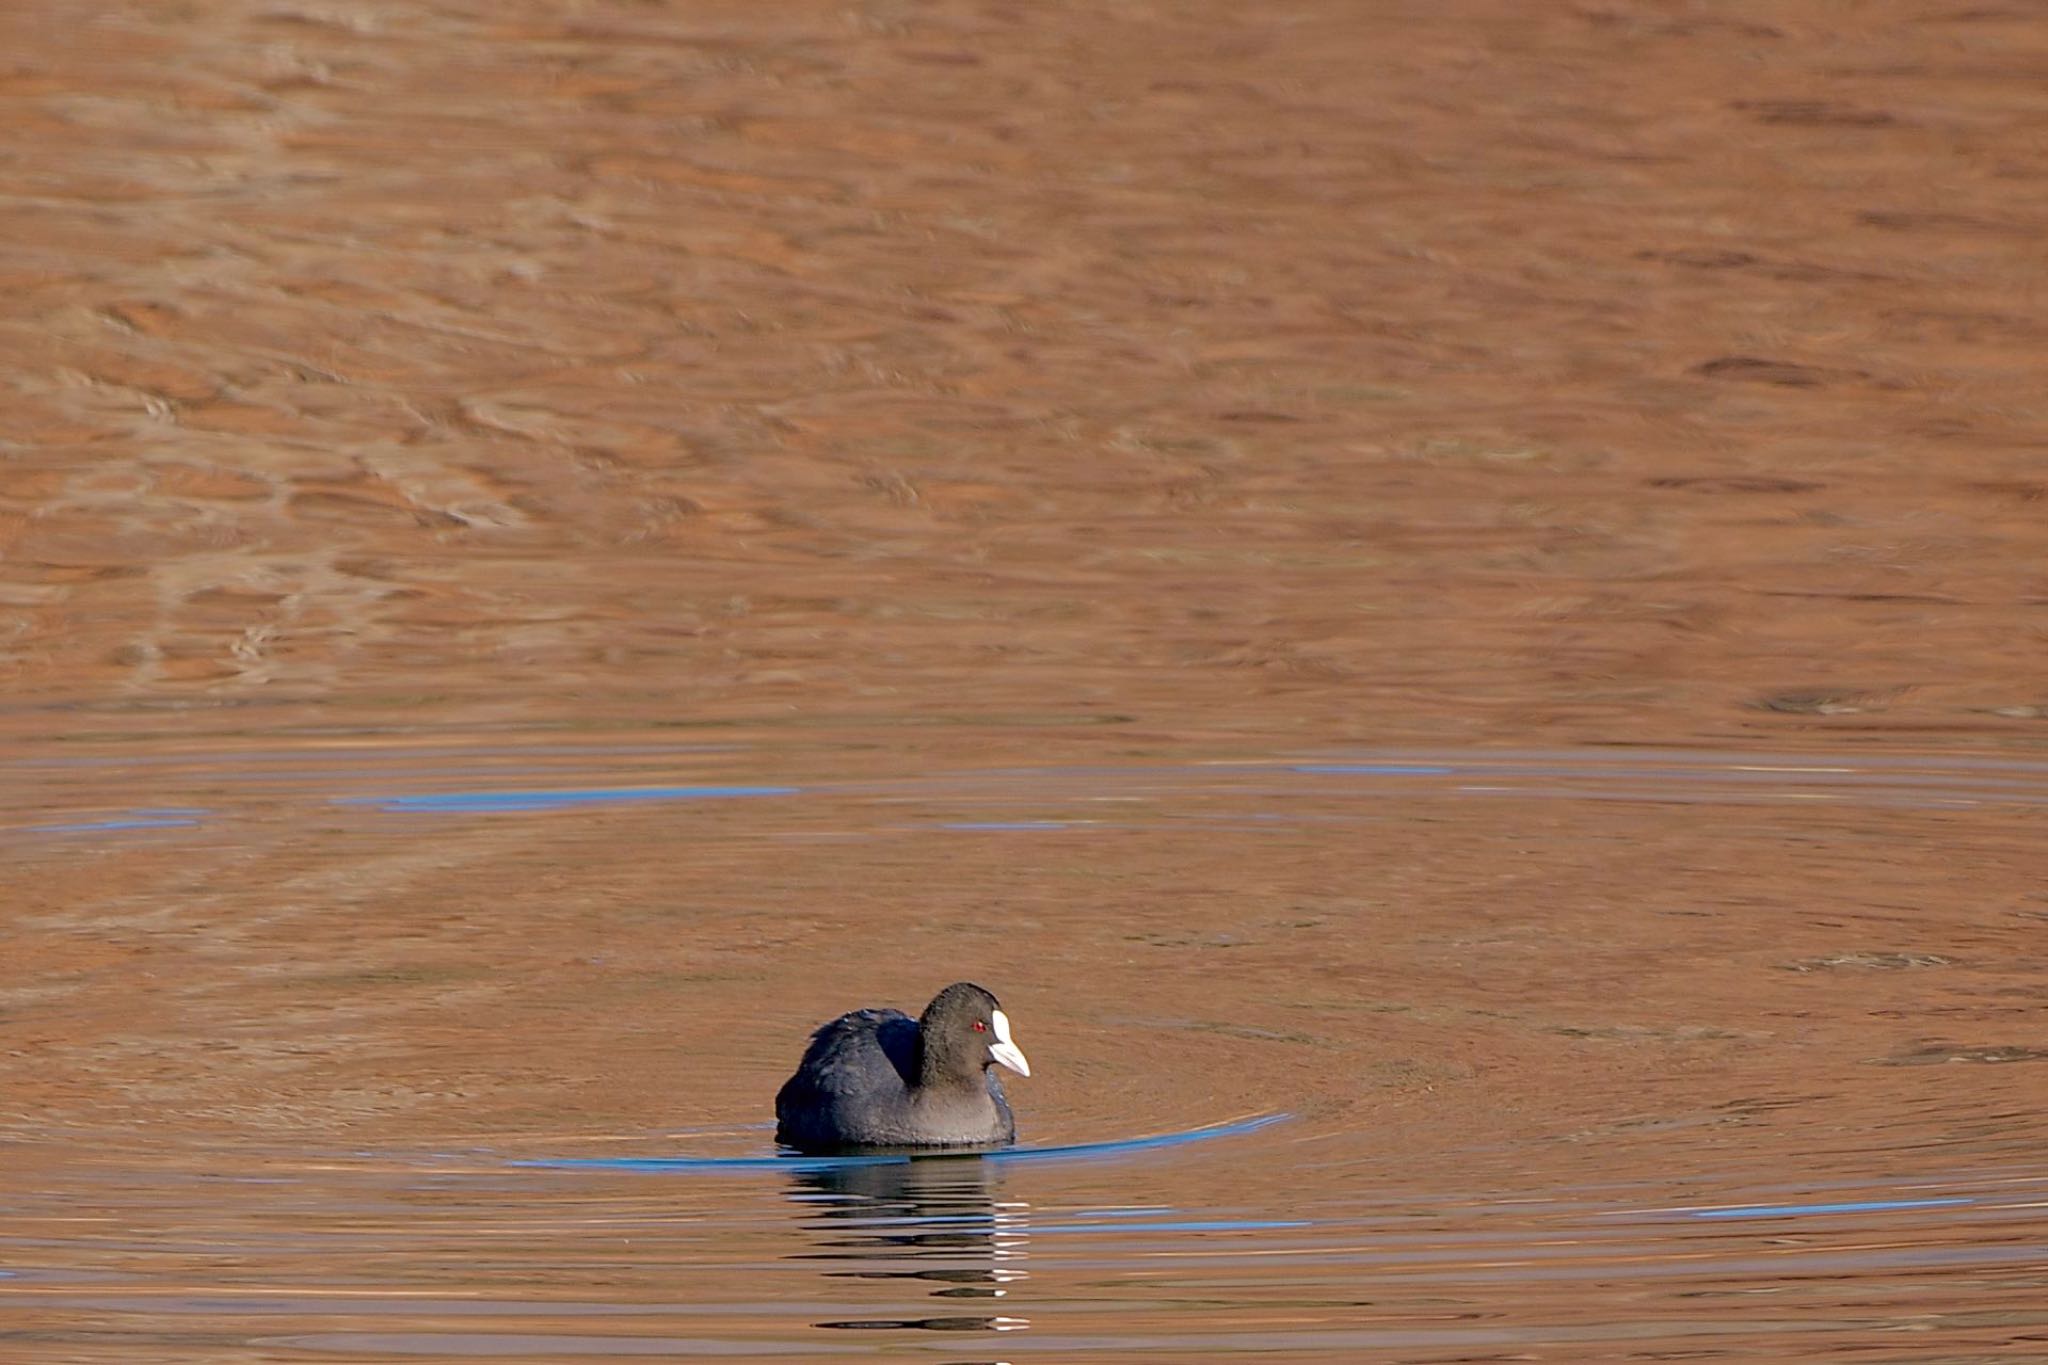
878 1078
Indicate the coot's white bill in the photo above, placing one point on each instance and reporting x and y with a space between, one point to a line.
1005 1051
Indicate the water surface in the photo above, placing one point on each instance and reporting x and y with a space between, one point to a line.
1299 1098
1467 574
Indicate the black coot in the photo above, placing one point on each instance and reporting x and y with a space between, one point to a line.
878 1078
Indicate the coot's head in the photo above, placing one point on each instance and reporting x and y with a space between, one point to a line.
965 1029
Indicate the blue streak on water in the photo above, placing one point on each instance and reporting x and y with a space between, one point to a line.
168 817
1009 824
1078 1151
488 802
1374 769
1852 1206
1157 1142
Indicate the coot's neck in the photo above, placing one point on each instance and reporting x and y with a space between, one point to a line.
938 1064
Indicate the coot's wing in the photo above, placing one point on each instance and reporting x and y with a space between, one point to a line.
855 1071
897 1034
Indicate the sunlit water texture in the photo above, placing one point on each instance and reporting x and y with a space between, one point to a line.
1868 1204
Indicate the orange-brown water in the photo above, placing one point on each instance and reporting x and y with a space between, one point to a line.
1467 576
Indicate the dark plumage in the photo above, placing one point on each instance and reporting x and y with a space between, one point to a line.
878 1078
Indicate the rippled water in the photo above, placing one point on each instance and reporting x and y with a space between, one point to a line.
359 1257
424 781
1444 599
1249 1159
385 1255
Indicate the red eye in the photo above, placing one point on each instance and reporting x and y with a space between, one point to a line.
980 1027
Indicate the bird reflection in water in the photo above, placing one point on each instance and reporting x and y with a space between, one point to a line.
934 1220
